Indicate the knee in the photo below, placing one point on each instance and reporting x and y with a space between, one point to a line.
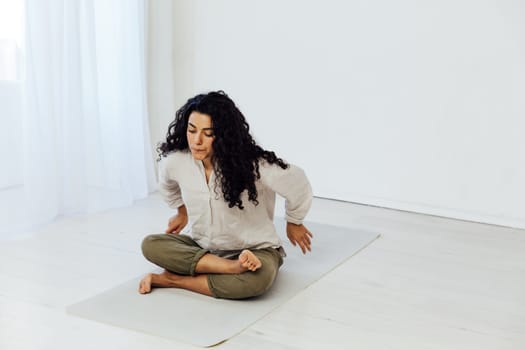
264 281
264 278
243 286
260 281
150 247
260 284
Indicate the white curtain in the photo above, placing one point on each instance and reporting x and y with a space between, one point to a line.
80 143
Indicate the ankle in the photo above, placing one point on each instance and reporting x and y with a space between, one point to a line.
234 267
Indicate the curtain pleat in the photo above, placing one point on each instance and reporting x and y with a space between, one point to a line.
85 144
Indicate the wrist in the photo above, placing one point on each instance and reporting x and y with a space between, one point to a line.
182 210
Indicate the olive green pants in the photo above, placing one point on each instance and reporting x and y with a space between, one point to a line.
180 254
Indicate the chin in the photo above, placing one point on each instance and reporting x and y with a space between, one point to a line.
198 156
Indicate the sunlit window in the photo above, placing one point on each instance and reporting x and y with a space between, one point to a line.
11 39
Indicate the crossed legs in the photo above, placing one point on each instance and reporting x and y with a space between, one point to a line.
209 263
190 267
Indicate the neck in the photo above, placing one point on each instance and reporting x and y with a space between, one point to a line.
207 163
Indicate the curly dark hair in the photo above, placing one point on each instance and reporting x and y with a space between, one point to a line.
236 155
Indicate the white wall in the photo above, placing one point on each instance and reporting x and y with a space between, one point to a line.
159 59
170 62
408 105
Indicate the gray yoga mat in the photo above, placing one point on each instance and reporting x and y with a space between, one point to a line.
205 321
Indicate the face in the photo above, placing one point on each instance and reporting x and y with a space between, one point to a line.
200 136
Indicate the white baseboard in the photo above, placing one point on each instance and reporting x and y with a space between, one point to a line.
485 218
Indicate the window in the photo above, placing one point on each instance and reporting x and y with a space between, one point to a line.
11 39
11 76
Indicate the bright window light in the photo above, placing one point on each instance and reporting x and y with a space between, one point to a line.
11 39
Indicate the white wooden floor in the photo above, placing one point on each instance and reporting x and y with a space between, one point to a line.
427 283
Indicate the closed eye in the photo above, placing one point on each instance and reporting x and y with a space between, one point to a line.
208 132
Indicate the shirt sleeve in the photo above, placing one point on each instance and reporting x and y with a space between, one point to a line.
168 187
293 185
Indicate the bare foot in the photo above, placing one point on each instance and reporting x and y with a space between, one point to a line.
145 284
168 279
164 279
249 261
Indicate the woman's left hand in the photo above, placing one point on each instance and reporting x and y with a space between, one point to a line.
299 234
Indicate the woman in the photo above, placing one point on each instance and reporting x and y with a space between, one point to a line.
224 184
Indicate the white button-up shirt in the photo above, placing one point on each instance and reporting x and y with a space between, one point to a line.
215 226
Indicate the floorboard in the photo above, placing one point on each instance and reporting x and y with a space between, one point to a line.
426 283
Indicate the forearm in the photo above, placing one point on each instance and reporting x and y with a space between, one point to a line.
178 221
298 195
293 185
182 210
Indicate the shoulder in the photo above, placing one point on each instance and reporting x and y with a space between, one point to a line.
176 157
174 160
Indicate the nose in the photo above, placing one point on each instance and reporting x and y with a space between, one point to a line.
197 138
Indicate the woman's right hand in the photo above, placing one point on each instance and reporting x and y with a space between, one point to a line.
177 222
